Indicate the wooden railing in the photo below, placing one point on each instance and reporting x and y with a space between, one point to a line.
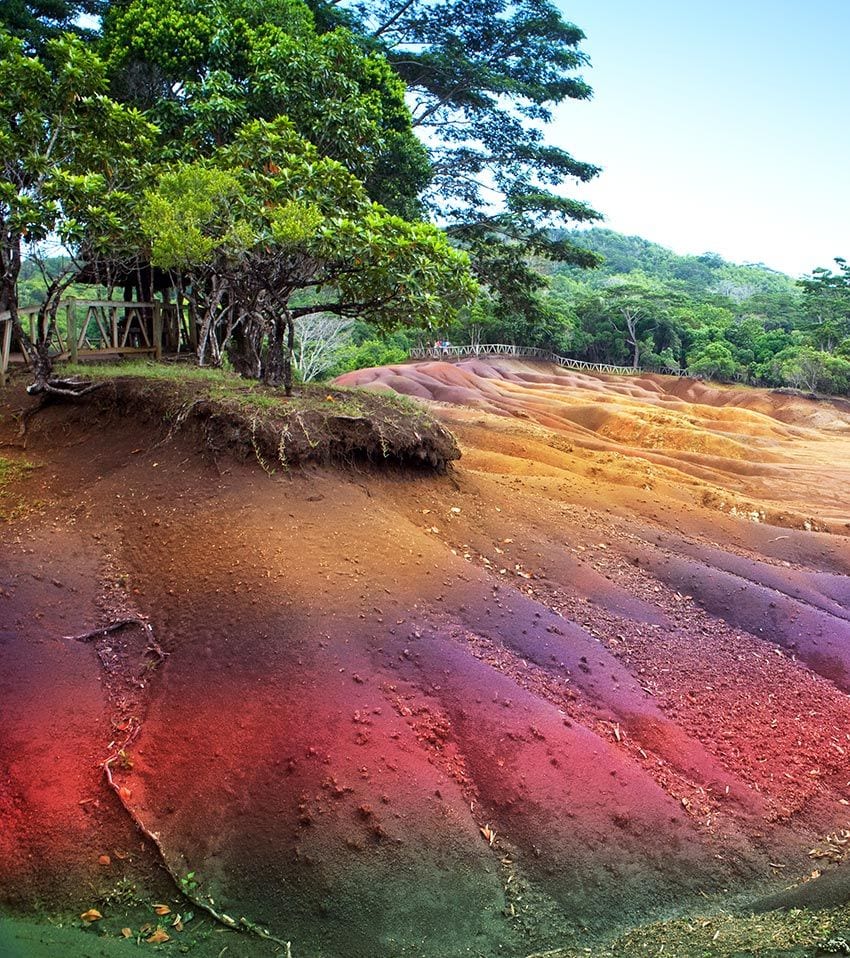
102 327
532 352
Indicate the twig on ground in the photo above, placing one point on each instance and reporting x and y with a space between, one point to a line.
115 627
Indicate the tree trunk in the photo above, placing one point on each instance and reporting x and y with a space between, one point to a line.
275 365
245 348
290 347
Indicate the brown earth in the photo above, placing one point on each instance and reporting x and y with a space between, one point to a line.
595 675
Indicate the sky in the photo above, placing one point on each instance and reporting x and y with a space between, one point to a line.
720 125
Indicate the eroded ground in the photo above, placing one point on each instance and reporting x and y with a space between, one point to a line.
595 676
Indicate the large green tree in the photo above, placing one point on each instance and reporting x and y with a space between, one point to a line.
484 77
37 21
826 298
267 231
71 163
202 71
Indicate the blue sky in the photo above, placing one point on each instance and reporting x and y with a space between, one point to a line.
720 126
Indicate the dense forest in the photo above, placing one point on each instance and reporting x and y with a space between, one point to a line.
325 184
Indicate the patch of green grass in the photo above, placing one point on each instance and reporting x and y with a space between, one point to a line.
145 369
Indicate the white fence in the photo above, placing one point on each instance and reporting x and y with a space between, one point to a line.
533 353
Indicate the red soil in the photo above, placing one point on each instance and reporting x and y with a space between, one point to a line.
597 672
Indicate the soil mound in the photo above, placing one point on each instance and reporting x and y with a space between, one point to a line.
593 674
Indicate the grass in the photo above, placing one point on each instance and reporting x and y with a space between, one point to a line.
144 369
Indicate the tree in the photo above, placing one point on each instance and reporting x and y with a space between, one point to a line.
319 340
826 298
267 221
69 167
483 78
36 21
484 75
813 370
643 310
713 360
203 71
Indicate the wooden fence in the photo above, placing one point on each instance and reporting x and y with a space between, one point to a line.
104 327
533 353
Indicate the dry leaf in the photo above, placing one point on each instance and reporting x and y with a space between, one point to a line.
158 937
104 860
127 932
162 909
177 924
91 915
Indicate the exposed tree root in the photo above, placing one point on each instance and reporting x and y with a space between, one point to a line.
63 387
153 645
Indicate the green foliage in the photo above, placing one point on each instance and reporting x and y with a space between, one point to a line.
69 166
484 76
371 352
188 216
267 228
713 360
205 71
826 297
37 21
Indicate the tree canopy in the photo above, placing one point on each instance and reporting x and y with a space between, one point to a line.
267 219
69 168
202 71
34 22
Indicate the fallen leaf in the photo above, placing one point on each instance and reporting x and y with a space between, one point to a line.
127 932
104 860
158 937
177 924
91 915
161 909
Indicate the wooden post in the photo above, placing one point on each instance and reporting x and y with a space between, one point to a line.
157 331
5 346
71 316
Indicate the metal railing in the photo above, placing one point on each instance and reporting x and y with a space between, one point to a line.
532 352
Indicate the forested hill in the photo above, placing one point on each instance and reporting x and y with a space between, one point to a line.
704 275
